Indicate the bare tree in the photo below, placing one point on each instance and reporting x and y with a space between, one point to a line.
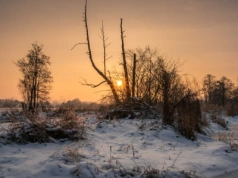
208 87
134 75
37 79
102 74
142 72
128 92
168 78
159 82
217 92
106 78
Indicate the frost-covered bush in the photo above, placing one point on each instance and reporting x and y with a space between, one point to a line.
26 131
69 153
36 129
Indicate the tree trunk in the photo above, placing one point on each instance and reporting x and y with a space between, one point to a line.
134 76
128 92
109 82
31 100
166 107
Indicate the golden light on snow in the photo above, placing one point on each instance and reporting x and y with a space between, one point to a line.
119 83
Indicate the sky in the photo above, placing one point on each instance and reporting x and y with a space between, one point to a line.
202 33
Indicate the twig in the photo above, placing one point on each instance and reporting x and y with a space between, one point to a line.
91 85
176 159
77 44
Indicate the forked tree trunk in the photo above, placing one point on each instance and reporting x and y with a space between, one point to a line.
109 82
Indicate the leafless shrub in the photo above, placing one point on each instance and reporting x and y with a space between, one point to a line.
217 118
119 114
189 117
204 121
234 145
36 129
92 170
70 154
151 172
32 129
229 139
221 122
121 168
11 116
127 148
151 125
191 174
69 127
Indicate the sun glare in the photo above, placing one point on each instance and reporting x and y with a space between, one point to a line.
119 82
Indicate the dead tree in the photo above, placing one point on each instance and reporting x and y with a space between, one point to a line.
134 76
105 45
128 92
106 79
102 74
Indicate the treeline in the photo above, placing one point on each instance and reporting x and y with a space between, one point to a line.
74 104
77 105
9 103
221 92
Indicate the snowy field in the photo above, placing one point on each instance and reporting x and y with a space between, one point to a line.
122 148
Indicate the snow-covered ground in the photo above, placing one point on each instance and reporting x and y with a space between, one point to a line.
121 149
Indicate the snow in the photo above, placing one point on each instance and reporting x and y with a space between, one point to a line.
118 148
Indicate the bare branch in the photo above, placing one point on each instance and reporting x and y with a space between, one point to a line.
78 44
103 75
91 85
109 57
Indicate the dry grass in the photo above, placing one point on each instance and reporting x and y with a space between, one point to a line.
217 118
204 121
70 154
192 174
150 125
27 131
229 139
151 172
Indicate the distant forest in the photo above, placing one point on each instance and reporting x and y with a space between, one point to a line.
70 104
9 103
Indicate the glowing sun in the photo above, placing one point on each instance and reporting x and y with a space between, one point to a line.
119 82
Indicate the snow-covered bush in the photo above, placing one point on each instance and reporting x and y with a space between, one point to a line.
69 126
26 131
218 118
36 129
69 153
228 138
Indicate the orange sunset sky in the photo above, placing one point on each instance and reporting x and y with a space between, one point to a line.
203 33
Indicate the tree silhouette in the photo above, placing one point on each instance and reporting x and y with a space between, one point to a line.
36 80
